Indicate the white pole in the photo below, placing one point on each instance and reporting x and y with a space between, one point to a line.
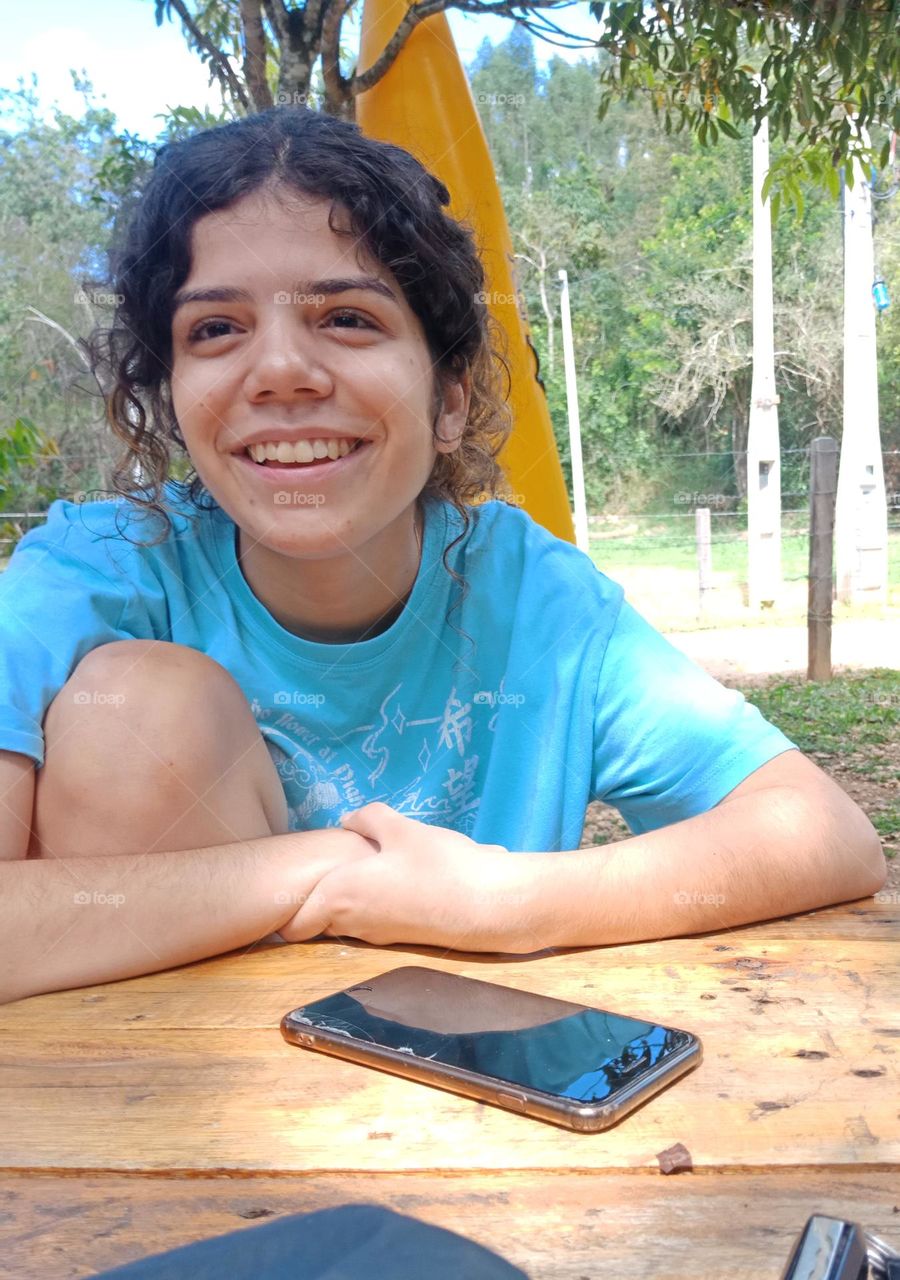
581 524
860 524
763 443
704 554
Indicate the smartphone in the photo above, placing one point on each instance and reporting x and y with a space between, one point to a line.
575 1066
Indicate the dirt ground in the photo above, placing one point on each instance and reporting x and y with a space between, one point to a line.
737 655
749 656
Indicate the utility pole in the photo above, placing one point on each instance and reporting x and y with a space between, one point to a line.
763 442
861 511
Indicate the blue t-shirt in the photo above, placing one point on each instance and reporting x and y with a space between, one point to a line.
502 717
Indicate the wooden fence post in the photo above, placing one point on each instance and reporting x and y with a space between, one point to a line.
823 465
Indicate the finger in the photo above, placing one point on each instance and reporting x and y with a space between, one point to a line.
375 821
312 919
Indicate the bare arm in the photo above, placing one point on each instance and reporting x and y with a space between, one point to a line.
70 922
786 839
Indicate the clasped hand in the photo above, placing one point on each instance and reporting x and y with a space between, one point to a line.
422 884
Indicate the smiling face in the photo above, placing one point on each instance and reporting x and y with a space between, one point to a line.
288 335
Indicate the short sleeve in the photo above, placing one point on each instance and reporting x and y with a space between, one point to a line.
55 606
669 741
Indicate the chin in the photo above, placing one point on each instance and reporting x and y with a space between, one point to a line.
299 544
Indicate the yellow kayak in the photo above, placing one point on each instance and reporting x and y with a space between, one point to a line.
424 103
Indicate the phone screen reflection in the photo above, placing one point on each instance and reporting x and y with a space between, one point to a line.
587 1056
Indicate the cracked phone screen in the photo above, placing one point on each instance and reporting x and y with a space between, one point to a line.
587 1056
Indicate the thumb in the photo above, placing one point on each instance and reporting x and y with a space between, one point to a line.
375 821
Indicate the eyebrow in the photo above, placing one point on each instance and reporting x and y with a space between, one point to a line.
304 288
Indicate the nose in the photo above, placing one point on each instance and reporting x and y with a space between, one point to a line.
285 363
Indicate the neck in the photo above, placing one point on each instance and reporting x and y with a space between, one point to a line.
341 599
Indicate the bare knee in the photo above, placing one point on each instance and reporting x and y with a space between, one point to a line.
144 730
165 694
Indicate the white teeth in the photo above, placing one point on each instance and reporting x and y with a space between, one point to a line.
302 451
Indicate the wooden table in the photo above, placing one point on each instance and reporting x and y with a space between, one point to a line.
145 1114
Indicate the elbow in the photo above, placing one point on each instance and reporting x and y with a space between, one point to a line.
835 853
857 858
870 861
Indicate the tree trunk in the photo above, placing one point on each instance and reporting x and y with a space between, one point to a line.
255 55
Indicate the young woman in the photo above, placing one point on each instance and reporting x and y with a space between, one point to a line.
322 685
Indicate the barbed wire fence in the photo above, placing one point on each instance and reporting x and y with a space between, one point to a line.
668 531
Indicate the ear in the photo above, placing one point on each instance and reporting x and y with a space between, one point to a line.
456 395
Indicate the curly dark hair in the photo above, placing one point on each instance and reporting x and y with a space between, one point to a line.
394 207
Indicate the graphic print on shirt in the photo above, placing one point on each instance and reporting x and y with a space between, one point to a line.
396 759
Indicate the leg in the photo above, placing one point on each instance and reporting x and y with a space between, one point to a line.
151 746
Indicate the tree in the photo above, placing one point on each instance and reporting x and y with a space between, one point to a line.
655 232
53 439
830 68
63 183
264 52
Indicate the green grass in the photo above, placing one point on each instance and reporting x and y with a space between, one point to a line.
852 720
837 717
670 544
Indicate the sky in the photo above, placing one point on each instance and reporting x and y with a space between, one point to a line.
138 69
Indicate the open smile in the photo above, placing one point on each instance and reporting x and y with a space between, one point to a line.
271 470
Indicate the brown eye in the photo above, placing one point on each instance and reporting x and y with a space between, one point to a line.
210 329
362 321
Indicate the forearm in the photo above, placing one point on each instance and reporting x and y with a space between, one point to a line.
71 922
755 857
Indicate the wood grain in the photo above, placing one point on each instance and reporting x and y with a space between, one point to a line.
148 1113
188 1070
555 1227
